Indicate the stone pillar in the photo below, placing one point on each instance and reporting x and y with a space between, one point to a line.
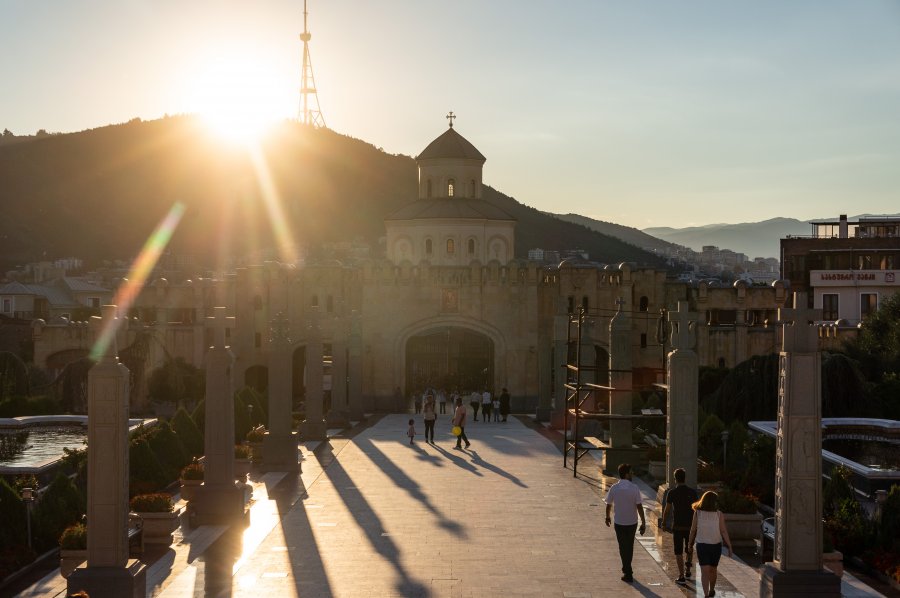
339 416
560 373
797 566
621 449
314 428
280 441
109 572
219 499
682 367
354 368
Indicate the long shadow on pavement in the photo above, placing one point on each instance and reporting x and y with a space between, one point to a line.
404 481
370 523
478 460
459 461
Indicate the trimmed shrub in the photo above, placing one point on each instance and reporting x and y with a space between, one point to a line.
59 506
192 471
241 451
199 414
188 432
12 516
735 502
169 449
147 475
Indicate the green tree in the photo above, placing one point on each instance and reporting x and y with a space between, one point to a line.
176 381
60 505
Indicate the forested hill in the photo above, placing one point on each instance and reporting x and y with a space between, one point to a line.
98 194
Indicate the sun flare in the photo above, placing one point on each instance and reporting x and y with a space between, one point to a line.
240 99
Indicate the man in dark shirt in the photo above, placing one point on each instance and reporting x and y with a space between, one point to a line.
679 500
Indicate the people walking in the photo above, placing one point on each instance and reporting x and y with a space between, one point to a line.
679 501
429 416
625 502
417 401
487 406
459 419
709 531
475 402
504 403
442 400
495 409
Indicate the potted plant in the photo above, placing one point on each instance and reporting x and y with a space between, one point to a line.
72 548
709 477
255 439
160 518
741 517
656 456
191 479
242 455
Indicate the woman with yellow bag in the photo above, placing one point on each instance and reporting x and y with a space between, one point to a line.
459 423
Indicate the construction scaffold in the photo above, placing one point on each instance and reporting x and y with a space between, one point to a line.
590 401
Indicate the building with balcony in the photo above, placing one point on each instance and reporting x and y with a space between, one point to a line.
847 267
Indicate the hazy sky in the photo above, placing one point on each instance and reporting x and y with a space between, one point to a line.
645 113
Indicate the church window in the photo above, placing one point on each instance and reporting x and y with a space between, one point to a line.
471 245
451 246
427 246
314 301
571 306
428 186
643 340
644 304
585 302
450 185
329 304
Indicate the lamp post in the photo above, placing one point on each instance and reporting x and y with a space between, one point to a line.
28 497
250 415
724 450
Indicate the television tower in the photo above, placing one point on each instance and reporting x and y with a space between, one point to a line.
310 114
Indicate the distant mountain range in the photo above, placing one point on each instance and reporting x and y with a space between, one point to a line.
756 239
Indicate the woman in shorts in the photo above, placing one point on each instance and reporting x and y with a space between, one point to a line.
708 529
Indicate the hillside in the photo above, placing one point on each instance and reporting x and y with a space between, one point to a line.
630 235
756 239
99 193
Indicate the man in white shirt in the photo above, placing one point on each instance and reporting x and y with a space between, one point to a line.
625 501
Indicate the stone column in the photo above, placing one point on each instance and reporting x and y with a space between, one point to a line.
280 441
354 368
560 373
109 571
219 499
339 416
314 428
621 449
682 367
797 566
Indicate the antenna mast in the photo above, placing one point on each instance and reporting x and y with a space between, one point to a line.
310 114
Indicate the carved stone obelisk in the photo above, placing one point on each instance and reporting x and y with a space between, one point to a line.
797 566
621 449
109 572
354 371
682 378
219 499
314 428
280 451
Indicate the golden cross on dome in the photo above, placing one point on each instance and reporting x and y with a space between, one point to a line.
450 117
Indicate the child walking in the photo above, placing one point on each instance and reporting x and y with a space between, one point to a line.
411 432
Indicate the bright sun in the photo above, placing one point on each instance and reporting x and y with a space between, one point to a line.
240 99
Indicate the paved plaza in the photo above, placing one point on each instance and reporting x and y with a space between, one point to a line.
371 515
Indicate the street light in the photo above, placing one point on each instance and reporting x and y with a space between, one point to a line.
28 497
724 450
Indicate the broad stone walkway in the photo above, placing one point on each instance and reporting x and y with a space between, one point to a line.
388 519
374 516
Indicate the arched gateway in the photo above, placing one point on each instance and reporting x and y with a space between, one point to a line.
449 357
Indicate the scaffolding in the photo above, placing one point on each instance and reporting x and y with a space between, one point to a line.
581 402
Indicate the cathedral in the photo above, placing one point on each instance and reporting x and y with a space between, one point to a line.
449 306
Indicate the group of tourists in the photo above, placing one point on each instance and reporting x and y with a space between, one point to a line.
693 521
430 401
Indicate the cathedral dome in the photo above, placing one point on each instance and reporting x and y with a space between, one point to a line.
450 145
